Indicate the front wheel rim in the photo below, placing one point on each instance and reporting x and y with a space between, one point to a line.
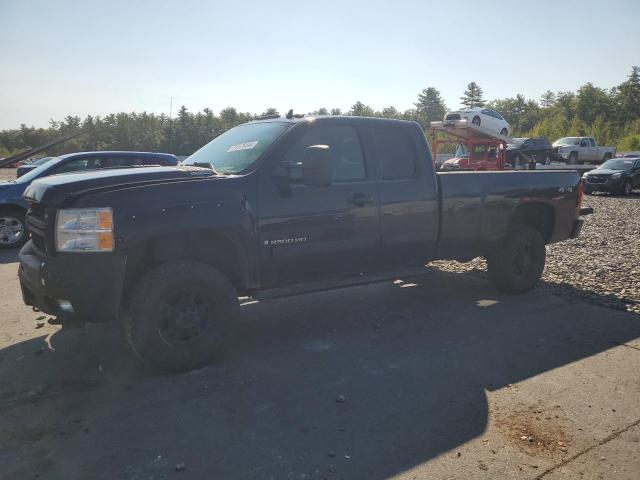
184 317
11 230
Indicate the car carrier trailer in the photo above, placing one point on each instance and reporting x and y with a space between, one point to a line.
490 145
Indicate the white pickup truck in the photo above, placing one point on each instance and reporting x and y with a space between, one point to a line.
576 150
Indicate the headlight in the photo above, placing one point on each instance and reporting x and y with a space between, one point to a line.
84 230
617 175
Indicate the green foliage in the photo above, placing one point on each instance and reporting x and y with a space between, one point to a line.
472 96
430 106
612 117
359 109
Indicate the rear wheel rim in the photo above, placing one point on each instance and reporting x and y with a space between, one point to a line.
523 259
11 230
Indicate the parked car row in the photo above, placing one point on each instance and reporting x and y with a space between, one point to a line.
13 206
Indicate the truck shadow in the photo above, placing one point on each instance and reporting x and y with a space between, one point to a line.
365 382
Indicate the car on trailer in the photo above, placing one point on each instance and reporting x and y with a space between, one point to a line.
482 117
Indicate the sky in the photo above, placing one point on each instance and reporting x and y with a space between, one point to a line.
66 57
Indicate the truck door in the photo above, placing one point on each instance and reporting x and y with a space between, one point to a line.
312 232
585 153
408 194
593 149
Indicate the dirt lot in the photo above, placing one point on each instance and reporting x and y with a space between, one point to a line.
439 378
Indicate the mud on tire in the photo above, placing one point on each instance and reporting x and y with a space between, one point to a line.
180 316
517 265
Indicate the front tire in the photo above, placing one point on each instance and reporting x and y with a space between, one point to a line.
504 132
627 188
517 265
547 160
180 315
573 159
13 230
476 120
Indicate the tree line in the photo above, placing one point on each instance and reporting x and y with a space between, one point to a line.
610 115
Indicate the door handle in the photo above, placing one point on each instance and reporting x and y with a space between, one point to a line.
360 199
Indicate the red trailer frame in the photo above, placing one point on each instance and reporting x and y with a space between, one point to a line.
470 135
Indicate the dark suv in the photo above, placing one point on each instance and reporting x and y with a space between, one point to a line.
527 150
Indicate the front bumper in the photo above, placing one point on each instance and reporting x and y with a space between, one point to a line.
91 283
611 185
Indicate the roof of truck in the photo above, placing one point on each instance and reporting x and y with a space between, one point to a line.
312 118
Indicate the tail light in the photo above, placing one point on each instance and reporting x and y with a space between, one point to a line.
580 194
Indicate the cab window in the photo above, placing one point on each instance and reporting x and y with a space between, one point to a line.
396 151
80 164
349 163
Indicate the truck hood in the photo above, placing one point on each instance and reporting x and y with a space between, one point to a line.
604 171
55 189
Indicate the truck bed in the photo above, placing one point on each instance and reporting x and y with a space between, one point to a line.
476 207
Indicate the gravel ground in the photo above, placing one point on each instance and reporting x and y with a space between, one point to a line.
602 265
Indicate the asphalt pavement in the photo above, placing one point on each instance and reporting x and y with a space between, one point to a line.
439 377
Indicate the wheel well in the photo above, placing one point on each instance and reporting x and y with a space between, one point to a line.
214 248
540 216
11 206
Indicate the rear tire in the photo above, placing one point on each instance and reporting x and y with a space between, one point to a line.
607 156
517 265
13 229
180 316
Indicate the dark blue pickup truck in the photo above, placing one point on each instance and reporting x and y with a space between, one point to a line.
13 207
271 208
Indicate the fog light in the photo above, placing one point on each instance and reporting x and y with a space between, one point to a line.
65 306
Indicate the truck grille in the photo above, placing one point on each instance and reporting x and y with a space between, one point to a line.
596 179
37 225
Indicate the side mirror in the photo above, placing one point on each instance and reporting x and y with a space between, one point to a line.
315 169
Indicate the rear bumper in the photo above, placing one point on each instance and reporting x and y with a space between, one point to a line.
91 283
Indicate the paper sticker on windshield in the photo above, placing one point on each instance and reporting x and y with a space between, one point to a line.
242 146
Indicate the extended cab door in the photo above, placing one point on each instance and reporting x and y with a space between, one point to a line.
314 232
408 193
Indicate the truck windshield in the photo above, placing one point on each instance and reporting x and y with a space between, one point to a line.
461 151
617 164
237 149
39 170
